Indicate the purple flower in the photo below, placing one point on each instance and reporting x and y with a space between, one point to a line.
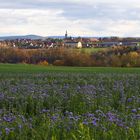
44 111
23 119
70 113
129 100
85 122
71 118
7 131
138 116
8 119
54 118
90 115
134 110
20 126
94 122
77 118
112 117
1 96
120 124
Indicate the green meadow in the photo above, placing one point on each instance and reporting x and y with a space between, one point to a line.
69 103
26 68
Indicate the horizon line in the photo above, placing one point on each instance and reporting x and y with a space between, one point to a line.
14 35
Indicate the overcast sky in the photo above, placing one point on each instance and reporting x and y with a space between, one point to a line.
79 17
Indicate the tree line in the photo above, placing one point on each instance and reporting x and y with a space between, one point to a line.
113 57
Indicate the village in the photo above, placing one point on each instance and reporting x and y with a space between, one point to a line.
70 42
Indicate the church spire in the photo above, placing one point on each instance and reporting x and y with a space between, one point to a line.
66 34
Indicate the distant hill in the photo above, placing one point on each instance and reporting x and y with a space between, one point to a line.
56 37
33 37
62 37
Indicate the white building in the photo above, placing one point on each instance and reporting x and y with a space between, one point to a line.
73 44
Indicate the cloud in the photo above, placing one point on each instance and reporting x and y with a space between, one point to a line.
79 17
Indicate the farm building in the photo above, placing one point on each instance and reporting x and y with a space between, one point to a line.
131 44
73 44
111 44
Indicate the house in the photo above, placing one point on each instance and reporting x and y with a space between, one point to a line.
108 44
111 44
131 44
73 44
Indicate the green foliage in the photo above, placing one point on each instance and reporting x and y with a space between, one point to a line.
69 103
109 57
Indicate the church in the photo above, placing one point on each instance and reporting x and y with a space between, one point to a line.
71 43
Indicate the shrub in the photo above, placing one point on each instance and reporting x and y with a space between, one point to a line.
43 63
114 57
59 63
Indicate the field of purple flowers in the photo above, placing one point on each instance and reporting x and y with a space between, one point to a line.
69 106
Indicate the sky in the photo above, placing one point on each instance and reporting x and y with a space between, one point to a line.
78 17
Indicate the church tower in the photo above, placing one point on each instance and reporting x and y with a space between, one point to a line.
66 35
